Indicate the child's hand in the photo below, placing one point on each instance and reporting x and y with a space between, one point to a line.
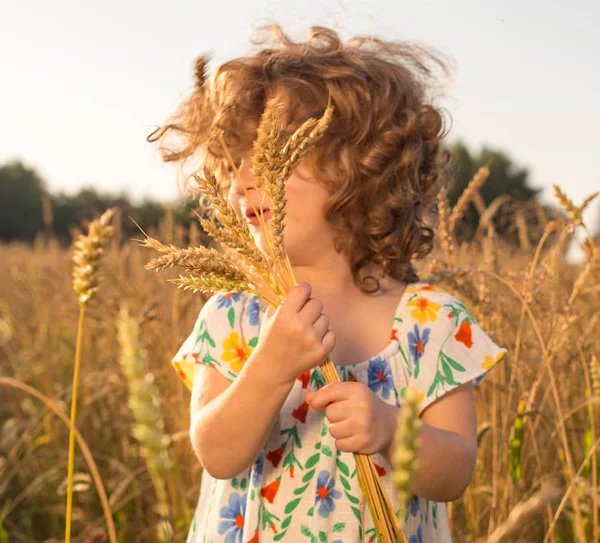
360 421
294 337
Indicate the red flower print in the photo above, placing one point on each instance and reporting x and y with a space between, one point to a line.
381 471
394 335
273 528
351 377
254 537
275 456
464 334
292 472
270 491
301 413
305 378
451 315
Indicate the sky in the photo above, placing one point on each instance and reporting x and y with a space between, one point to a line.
84 83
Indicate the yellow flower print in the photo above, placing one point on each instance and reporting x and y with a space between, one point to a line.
235 351
424 310
489 362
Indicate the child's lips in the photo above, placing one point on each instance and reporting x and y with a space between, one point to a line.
253 219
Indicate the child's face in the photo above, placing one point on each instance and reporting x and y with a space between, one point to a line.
305 229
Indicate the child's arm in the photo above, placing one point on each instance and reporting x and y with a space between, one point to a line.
231 422
361 422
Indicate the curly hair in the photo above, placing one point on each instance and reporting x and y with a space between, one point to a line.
381 157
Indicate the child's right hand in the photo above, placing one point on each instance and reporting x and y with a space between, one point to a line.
294 337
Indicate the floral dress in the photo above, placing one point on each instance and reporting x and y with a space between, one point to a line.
301 487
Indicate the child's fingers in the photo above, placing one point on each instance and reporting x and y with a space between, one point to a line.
341 430
338 411
330 393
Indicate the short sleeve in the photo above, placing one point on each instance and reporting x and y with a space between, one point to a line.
447 346
220 337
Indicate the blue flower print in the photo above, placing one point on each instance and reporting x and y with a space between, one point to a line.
380 377
326 494
233 518
225 300
418 536
413 506
417 342
258 467
253 310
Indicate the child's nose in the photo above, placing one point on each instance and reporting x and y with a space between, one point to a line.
245 179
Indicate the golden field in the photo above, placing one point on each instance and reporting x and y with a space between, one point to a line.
537 473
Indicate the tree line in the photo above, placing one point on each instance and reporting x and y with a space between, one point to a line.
28 208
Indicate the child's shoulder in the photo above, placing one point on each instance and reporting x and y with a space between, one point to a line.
431 304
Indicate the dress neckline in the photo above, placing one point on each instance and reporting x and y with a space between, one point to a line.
392 346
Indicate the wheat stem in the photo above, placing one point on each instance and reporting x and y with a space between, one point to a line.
70 462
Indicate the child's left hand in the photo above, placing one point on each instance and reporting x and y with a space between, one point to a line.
360 421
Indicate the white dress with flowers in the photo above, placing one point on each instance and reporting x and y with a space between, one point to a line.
301 488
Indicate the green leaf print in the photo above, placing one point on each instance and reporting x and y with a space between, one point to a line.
324 430
203 343
372 535
300 490
434 384
352 498
322 537
291 506
447 373
280 535
453 363
234 482
356 512
339 527
345 483
342 467
286 523
308 476
253 342
231 316
459 312
312 461
306 531
310 512
326 450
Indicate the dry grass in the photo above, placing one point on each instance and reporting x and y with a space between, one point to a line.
546 311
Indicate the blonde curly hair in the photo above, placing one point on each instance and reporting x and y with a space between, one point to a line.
382 154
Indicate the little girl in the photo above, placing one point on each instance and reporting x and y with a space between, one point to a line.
274 440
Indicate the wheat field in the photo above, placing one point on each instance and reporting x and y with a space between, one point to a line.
537 472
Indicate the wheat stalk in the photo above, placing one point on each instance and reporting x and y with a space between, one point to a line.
407 446
522 513
149 429
444 223
461 206
87 259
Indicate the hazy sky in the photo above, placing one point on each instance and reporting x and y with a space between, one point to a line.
83 83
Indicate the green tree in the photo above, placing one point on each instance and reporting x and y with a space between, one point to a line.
506 179
21 190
